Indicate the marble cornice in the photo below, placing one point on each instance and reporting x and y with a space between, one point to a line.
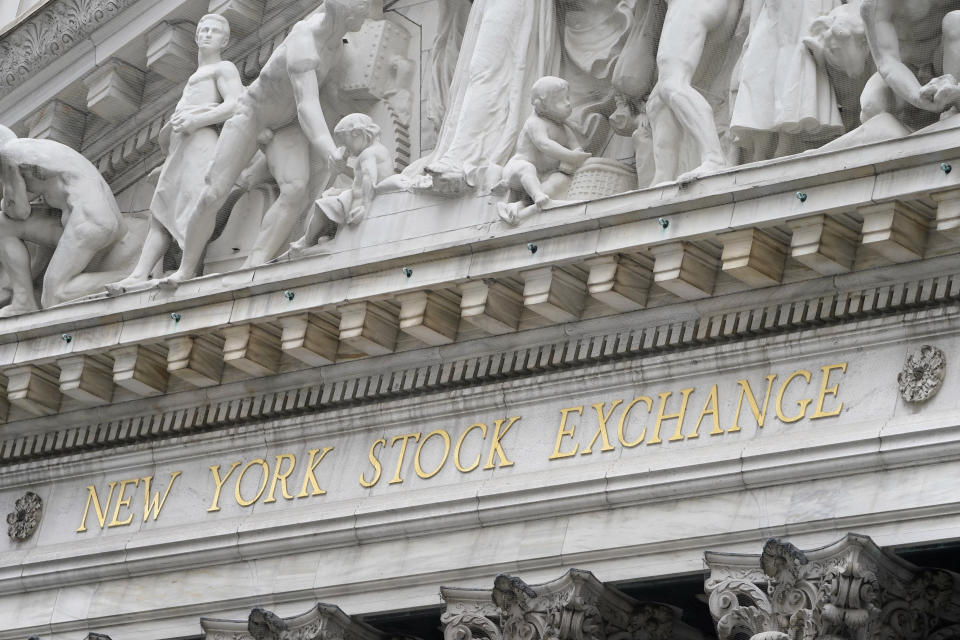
331 293
894 304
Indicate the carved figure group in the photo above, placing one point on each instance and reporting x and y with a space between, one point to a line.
526 91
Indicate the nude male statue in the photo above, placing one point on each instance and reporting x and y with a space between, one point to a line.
90 220
675 107
281 107
209 98
905 36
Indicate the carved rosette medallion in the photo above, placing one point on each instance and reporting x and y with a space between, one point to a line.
922 374
25 517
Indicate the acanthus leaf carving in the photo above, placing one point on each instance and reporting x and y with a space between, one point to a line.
850 590
49 34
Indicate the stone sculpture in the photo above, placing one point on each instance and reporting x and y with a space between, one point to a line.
838 42
282 110
675 107
25 518
443 59
547 152
904 37
90 230
850 589
372 170
916 49
922 374
189 138
506 47
783 97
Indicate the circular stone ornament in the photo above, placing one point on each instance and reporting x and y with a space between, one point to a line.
25 517
922 374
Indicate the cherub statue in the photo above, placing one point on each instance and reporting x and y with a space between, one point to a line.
209 98
547 152
363 155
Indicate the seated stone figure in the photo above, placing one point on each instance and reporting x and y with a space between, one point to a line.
89 229
372 169
547 152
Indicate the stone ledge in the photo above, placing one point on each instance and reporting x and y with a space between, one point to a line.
622 228
841 301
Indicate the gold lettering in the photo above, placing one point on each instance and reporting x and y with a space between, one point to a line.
122 502
215 470
263 485
563 433
376 465
623 420
602 428
156 504
456 451
446 452
496 447
101 510
281 477
661 416
824 391
403 450
803 404
710 408
309 476
758 415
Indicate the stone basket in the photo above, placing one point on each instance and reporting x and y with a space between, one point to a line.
601 177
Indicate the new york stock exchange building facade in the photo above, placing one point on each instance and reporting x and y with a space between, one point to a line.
493 320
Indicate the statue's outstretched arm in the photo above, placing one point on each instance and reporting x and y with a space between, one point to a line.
885 47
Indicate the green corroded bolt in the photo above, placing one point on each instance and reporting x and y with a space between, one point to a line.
175 316
532 247
66 337
407 271
945 167
664 223
801 196
290 295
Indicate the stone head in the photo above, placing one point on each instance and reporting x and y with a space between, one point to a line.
213 32
351 13
839 39
356 132
550 97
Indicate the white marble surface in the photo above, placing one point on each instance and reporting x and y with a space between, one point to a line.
658 506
